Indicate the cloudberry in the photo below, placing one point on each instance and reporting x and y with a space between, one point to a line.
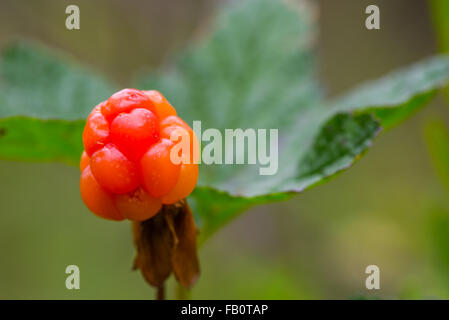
98 200
127 170
163 108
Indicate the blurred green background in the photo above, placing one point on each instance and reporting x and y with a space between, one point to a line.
390 209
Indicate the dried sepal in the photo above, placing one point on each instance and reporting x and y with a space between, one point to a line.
154 243
166 243
185 259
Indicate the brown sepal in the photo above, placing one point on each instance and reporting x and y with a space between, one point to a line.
166 243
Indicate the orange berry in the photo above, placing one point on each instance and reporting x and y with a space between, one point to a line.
192 153
114 171
96 131
188 177
85 161
169 124
137 205
98 200
124 101
127 167
163 107
174 121
159 174
135 132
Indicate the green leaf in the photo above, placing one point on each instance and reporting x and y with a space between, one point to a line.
30 139
43 103
256 70
440 14
214 208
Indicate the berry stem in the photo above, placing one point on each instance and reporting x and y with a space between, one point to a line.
160 293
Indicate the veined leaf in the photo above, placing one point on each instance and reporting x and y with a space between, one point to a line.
44 101
440 12
257 71
32 139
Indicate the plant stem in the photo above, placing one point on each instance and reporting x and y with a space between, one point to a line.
160 293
